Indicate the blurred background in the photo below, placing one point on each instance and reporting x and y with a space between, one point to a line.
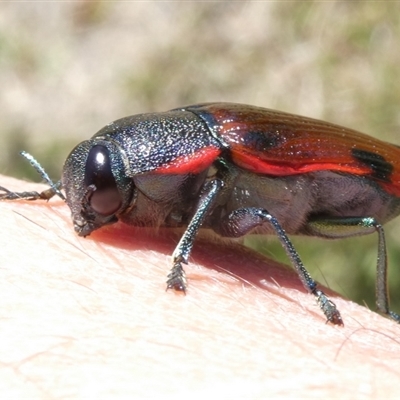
69 68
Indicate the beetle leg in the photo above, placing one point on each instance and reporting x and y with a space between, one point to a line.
243 220
344 227
176 277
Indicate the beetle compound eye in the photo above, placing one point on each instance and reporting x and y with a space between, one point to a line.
105 199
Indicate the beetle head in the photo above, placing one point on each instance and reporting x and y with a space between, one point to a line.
96 184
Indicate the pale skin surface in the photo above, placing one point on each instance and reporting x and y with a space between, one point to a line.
91 318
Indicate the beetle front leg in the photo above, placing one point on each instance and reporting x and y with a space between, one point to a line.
344 227
176 278
243 220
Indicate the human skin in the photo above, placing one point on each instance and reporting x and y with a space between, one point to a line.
90 317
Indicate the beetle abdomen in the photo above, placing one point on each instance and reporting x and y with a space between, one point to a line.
294 200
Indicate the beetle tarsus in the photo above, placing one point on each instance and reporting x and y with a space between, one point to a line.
177 278
394 316
328 307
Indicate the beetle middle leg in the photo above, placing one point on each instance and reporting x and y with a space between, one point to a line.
345 227
244 220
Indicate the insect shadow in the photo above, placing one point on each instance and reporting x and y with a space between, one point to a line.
234 263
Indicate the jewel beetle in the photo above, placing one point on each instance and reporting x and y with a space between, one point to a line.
234 169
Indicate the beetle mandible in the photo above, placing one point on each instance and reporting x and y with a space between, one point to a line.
234 169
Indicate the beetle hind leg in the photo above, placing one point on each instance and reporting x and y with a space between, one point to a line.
344 227
242 221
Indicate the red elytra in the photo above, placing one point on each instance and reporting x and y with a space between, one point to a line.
193 163
235 169
279 144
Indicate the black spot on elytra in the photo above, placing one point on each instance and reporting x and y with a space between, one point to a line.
261 140
381 169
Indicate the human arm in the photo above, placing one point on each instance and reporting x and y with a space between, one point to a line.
91 316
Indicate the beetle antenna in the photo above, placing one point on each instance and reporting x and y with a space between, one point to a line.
35 164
